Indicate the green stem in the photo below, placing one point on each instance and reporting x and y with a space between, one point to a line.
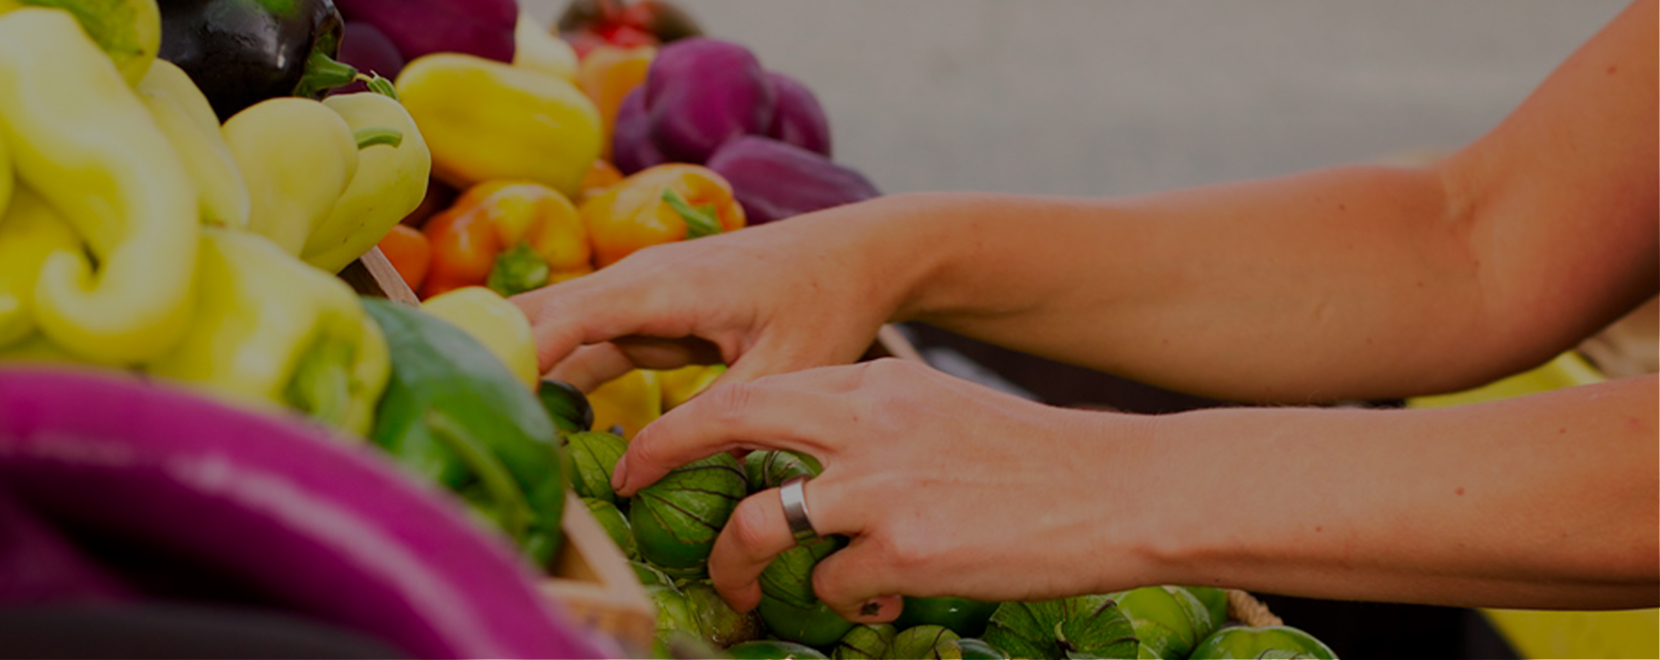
368 137
323 73
322 382
513 510
699 222
379 85
517 270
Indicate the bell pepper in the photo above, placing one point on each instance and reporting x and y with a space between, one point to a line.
661 204
410 253
537 49
486 121
454 416
184 115
297 156
607 75
701 92
599 177
680 385
128 31
628 403
30 233
775 180
511 236
497 324
390 181
80 138
270 329
627 23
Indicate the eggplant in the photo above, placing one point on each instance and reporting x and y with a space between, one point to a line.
39 565
366 48
702 92
774 180
241 52
797 118
631 147
312 522
422 27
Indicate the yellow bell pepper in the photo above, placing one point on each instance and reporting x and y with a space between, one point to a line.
128 31
80 138
184 115
512 236
7 181
680 385
390 182
273 330
487 120
297 156
30 232
495 323
627 404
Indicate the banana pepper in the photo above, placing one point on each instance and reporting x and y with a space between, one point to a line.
390 182
30 233
512 236
81 139
496 323
486 120
297 156
272 329
660 204
184 115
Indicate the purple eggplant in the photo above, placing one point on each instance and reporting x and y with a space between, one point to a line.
774 180
797 118
39 565
420 27
701 92
367 49
631 147
311 522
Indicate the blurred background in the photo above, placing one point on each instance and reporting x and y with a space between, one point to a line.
1111 97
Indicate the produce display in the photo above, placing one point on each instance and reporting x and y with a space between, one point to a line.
184 185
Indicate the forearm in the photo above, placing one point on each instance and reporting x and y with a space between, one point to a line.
1543 502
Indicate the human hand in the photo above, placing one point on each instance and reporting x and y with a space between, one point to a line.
768 299
942 485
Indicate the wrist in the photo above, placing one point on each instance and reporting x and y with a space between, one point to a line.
896 244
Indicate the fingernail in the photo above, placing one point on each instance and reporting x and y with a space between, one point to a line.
871 608
619 476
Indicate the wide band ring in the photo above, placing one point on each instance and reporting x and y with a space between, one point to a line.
794 498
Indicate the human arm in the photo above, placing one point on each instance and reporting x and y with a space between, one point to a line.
949 488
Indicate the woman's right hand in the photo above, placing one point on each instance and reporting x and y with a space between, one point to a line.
807 292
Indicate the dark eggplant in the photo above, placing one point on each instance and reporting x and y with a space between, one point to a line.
366 48
774 180
241 52
311 522
40 565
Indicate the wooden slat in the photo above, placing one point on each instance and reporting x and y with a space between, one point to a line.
373 275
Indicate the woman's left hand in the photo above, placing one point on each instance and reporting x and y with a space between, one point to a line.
942 485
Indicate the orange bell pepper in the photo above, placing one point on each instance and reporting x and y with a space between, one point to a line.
512 236
410 253
599 177
607 75
660 204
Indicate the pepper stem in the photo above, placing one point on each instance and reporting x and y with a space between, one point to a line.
700 222
379 85
368 137
517 270
511 507
323 73
322 382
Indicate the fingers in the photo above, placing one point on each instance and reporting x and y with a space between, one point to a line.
858 583
757 532
593 365
737 416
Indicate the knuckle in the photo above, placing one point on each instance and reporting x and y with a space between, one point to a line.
730 403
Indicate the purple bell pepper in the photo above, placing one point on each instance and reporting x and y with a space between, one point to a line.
775 180
700 93
632 149
419 27
797 118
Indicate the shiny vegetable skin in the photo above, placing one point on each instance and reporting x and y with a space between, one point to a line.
454 415
324 528
631 147
420 27
701 92
241 52
775 180
797 117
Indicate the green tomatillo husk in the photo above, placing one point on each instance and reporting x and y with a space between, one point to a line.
677 519
771 468
773 649
591 456
722 625
928 642
1032 630
867 642
615 525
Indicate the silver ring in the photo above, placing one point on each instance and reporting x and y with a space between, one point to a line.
794 498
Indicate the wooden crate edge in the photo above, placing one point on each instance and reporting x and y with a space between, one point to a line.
1246 609
593 582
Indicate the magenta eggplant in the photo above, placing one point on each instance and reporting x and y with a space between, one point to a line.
420 27
774 180
701 92
39 565
365 47
315 523
631 147
797 118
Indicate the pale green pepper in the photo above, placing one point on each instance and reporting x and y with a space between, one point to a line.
275 330
184 115
297 157
30 232
80 138
389 184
